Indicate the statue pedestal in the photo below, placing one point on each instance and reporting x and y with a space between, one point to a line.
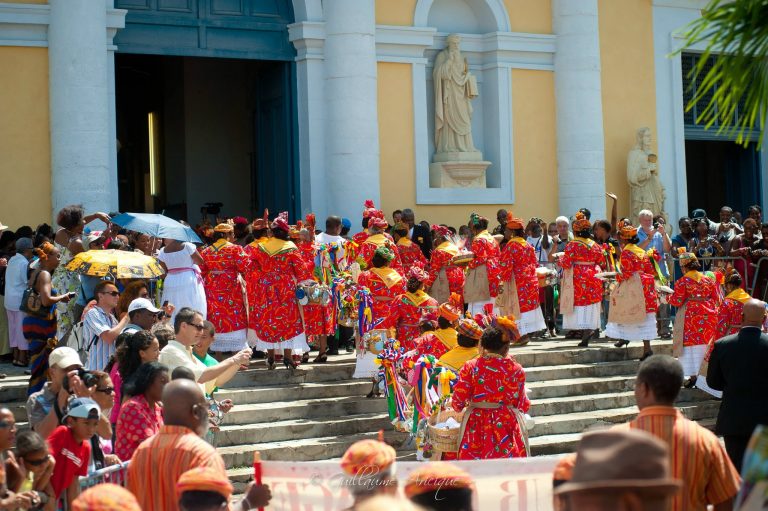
458 174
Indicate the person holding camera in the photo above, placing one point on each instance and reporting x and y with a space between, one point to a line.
653 235
101 327
703 244
40 327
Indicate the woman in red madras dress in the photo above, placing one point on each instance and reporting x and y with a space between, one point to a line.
444 338
583 257
440 267
410 253
518 262
491 392
694 325
408 308
730 310
377 238
635 260
385 285
486 251
319 320
223 268
278 268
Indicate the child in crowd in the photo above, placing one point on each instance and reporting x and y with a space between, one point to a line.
36 466
70 446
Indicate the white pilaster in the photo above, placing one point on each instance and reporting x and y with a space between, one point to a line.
580 140
79 106
351 127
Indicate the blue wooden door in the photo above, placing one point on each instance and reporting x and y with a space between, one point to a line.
275 179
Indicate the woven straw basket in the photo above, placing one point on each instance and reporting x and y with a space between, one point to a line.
444 440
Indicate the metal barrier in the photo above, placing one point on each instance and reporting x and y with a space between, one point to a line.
758 267
115 474
713 262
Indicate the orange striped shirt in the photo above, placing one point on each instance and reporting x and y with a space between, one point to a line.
160 460
696 457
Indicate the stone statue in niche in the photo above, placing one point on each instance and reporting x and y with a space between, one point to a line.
646 190
456 163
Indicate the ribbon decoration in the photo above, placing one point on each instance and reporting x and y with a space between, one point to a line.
389 360
365 321
657 269
610 250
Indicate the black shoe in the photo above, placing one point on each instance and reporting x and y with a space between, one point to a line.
691 383
646 355
271 364
350 349
620 343
584 343
289 364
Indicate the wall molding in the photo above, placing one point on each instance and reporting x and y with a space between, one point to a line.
421 14
27 24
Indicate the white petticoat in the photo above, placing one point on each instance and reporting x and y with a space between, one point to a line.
644 331
583 317
692 358
365 366
298 344
479 307
531 321
230 341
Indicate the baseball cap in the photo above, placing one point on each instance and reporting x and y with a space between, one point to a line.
83 408
64 357
94 236
346 223
698 213
142 303
23 244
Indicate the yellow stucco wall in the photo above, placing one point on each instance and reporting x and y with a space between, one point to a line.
24 138
395 12
29 1
534 16
628 86
534 144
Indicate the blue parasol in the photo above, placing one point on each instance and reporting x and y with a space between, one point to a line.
159 226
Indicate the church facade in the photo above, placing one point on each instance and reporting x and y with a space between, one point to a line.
310 105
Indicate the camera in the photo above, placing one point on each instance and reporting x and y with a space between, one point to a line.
655 225
89 379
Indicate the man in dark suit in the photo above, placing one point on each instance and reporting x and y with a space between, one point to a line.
419 234
739 367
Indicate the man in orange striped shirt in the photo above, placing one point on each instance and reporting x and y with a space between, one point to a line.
696 455
159 461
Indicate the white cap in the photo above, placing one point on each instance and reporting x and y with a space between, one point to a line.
142 303
64 357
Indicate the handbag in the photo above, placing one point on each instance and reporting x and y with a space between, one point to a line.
31 303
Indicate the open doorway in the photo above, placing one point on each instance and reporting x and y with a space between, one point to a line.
195 130
722 173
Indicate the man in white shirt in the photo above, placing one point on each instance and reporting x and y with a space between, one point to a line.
543 244
332 234
101 327
189 327
15 284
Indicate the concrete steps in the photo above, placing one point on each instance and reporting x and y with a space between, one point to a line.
316 412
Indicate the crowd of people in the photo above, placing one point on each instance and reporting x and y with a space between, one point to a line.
141 387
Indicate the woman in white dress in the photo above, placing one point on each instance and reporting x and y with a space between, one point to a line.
183 286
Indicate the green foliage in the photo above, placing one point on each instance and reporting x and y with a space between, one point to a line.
735 89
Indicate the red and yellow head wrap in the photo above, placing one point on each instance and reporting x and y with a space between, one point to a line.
441 231
204 479
43 250
513 222
281 222
368 208
415 272
686 257
429 316
106 497
367 458
627 231
261 223
225 227
469 328
437 476
580 223
377 222
452 309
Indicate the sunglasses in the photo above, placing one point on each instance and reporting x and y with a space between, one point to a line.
107 390
7 424
111 293
36 463
199 327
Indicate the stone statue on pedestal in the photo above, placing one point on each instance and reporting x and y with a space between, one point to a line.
646 190
457 163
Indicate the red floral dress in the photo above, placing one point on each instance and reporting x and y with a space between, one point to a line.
406 311
278 266
635 259
385 284
587 289
318 319
372 243
729 313
491 433
700 296
136 423
518 259
487 252
410 254
223 263
436 343
441 258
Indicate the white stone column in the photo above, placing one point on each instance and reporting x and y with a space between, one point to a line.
352 130
580 140
79 106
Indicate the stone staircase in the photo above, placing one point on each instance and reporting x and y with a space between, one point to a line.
317 412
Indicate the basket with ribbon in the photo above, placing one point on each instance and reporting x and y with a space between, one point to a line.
444 430
313 293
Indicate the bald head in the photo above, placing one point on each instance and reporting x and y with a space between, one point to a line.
754 313
184 405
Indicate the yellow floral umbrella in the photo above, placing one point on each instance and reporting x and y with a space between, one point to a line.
118 264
